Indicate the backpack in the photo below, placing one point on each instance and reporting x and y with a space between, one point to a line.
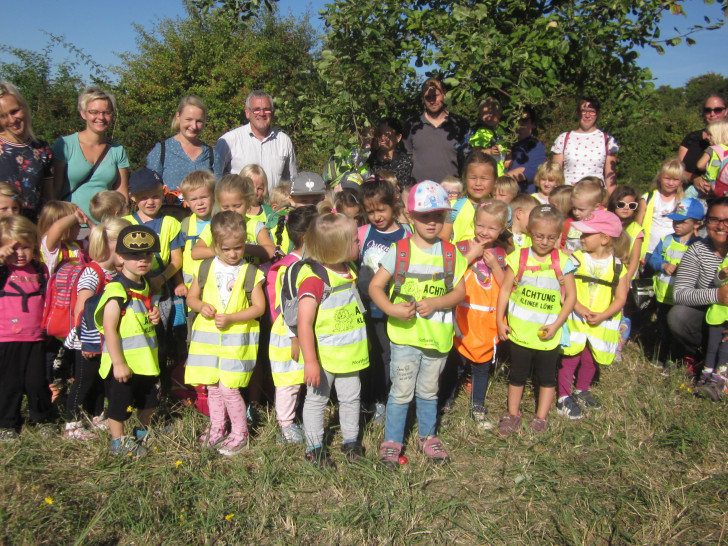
289 290
58 319
720 184
612 284
403 261
5 275
202 274
498 252
555 265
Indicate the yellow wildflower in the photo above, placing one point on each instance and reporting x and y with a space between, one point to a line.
229 517
177 464
48 500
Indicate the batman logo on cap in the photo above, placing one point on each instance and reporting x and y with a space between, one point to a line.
138 240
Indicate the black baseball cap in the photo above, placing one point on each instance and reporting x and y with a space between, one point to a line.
136 240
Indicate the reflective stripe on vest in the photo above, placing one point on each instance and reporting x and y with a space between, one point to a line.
662 282
190 267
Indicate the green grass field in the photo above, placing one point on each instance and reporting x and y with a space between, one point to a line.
648 468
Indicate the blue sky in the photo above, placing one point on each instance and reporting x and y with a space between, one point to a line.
103 29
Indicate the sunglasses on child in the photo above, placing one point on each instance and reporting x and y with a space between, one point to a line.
625 205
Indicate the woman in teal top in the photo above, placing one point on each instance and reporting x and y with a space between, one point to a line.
76 156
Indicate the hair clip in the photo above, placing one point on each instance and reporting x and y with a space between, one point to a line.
486 204
286 218
546 208
15 197
334 211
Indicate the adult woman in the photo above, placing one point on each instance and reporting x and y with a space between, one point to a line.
695 287
184 153
587 151
694 144
25 161
526 154
389 154
87 162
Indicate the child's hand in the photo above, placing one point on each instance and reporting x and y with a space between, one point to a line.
122 372
295 349
547 332
312 374
87 355
490 259
154 315
403 310
81 218
475 251
595 319
222 320
581 309
425 307
503 331
180 290
669 268
7 251
208 311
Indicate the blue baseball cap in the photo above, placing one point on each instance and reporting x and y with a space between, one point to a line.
427 196
688 208
143 180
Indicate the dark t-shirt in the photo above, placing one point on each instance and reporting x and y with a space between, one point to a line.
696 146
25 166
436 151
400 165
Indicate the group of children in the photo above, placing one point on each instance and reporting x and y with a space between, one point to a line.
352 290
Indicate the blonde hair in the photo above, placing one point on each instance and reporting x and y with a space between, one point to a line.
551 170
196 180
621 247
718 131
671 168
389 176
328 239
280 195
523 201
52 212
256 170
7 89
106 204
225 224
9 190
19 228
506 184
560 198
349 197
545 213
454 181
234 183
101 234
591 188
497 209
189 100
91 94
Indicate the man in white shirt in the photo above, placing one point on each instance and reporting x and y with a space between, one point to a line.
259 143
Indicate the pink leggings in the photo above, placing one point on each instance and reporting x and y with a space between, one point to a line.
221 399
568 368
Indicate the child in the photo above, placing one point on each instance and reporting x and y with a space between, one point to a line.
505 188
126 318
375 239
602 286
588 195
10 200
521 208
198 189
476 332
487 135
287 372
87 388
427 284
549 176
713 157
259 210
21 336
332 334
539 293
280 196
348 202
667 191
59 224
453 186
224 339
107 204
686 221
560 198
479 174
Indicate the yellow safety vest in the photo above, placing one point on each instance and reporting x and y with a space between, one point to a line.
662 282
603 338
535 302
228 355
647 221
463 227
341 334
136 331
717 313
190 267
169 230
284 369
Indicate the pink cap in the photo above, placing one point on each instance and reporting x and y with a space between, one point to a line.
427 196
600 221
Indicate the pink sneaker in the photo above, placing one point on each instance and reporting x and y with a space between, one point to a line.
100 422
212 437
433 450
233 444
76 431
389 454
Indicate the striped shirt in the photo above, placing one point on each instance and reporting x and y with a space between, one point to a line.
695 278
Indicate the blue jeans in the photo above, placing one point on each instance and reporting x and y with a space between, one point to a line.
415 373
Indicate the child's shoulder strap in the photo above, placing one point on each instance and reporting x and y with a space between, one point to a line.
185 225
448 256
463 246
203 273
522 261
249 282
401 264
458 205
363 233
556 264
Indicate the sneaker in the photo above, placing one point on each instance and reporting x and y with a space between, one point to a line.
668 367
708 388
234 444
353 451
318 457
479 415
127 446
692 367
569 408
46 430
539 426
508 425
389 454
380 414
100 422
141 435
8 435
586 399
76 431
292 434
433 450
211 438
618 356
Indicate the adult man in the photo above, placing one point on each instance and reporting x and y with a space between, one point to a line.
434 138
257 142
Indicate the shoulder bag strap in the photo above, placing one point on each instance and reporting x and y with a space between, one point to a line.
90 173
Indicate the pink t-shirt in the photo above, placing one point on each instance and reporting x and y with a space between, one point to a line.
16 324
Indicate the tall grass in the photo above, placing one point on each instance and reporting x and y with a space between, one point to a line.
648 468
